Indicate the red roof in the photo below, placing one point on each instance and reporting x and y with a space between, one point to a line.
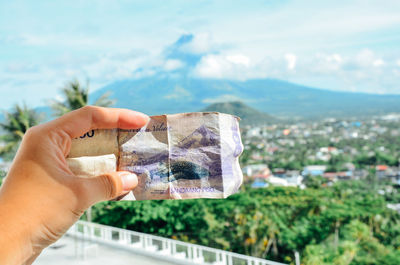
335 174
381 167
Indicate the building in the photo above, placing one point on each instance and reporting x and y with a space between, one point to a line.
277 181
257 169
259 183
334 176
314 170
381 171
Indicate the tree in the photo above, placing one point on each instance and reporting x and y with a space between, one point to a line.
358 246
77 96
2 175
314 182
343 223
16 123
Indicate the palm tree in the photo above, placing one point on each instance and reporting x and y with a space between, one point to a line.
16 123
77 96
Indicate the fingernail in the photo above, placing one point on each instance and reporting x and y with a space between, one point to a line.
129 181
145 117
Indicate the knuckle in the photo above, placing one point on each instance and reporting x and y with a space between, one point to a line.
80 191
89 109
110 190
32 131
61 139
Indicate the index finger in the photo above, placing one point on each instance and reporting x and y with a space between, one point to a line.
78 122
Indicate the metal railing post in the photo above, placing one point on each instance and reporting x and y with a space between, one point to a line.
173 245
230 260
190 252
223 257
143 240
164 245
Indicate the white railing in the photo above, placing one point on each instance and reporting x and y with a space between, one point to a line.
175 251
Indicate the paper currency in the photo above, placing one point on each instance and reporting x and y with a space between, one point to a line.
179 156
92 166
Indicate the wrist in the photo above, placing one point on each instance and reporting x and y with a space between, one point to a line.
15 234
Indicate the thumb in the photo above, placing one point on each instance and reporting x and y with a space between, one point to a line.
108 186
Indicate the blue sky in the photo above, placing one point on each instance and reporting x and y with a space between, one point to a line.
337 45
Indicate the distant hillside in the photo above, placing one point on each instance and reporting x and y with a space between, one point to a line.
248 115
183 93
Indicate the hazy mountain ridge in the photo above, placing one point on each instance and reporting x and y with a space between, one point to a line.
180 93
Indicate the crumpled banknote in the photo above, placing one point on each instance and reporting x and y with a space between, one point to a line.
178 156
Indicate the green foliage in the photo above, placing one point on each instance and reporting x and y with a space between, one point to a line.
76 96
245 157
2 176
16 123
376 159
335 163
273 222
314 182
357 246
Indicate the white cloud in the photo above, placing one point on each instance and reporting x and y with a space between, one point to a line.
334 58
239 59
18 67
173 64
366 58
59 98
108 69
365 70
233 66
291 61
212 66
378 62
200 44
179 93
324 63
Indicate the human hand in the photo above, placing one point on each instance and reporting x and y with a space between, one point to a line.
40 197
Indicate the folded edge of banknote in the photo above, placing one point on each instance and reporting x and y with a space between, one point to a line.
92 166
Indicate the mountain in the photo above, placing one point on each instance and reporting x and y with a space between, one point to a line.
180 92
178 89
248 115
